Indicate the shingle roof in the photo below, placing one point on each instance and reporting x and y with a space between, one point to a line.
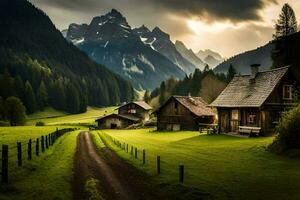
195 104
128 117
142 104
243 91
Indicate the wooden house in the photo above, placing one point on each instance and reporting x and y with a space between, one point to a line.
128 114
252 104
183 113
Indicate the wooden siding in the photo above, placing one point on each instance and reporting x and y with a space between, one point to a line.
140 112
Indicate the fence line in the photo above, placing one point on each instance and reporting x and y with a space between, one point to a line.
37 144
134 154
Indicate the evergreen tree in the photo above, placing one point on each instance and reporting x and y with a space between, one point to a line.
231 72
7 85
2 110
287 23
15 111
72 97
147 96
30 100
42 96
162 96
206 68
19 87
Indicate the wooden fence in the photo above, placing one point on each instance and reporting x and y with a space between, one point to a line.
34 146
134 153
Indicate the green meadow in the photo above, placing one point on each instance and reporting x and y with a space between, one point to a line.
54 117
47 176
216 167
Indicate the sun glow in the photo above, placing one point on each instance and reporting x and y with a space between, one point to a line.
199 27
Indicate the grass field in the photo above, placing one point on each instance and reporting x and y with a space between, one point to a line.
219 167
47 176
52 117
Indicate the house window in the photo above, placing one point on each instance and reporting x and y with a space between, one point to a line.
176 108
287 92
251 118
235 115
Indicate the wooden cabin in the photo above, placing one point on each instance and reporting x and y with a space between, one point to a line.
252 104
128 114
183 113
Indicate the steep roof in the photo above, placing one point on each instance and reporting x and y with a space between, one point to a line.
142 104
194 104
127 117
246 91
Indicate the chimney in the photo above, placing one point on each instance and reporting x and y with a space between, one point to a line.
254 70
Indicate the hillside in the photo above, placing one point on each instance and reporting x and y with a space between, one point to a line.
111 41
39 66
241 62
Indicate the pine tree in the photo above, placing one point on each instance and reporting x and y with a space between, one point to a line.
231 72
19 87
206 68
15 111
42 96
162 96
30 100
147 96
287 23
72 97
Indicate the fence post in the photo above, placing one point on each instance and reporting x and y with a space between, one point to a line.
158 164
135 153
127 148
131 150
43 144
49 139
29 149
4 164
19 147
37 146
144 156
181 173
46 142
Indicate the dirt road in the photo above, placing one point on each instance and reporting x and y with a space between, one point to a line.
118 179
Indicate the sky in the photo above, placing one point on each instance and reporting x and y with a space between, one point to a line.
226 26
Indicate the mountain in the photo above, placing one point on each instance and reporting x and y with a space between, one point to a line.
110 40
41 68
202 54
189 55
161 42
241 62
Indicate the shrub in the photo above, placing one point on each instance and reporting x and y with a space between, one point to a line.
40 124
289 131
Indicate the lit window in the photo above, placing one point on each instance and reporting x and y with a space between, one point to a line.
234 115
287 92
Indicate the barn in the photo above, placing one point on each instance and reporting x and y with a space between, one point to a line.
128 114
252 104
183 113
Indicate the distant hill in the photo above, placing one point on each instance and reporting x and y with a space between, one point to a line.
241 62
111 41
189 55
39 66
210 57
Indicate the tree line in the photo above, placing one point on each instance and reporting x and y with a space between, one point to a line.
206 84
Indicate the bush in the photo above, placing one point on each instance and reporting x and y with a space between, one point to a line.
40 124
289 132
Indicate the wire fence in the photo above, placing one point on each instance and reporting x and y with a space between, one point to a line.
14 155
139 154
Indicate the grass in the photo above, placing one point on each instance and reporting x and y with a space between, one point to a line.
47 113
45 177
68 119
222 166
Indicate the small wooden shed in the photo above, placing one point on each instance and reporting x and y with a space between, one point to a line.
183 113
128 114
253 103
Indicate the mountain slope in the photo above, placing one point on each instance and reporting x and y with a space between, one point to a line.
210 57
241 62
35 51
189 55
109 40
161 42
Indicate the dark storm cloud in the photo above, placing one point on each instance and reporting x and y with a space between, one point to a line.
233 10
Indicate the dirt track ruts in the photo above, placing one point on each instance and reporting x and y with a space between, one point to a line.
118 179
